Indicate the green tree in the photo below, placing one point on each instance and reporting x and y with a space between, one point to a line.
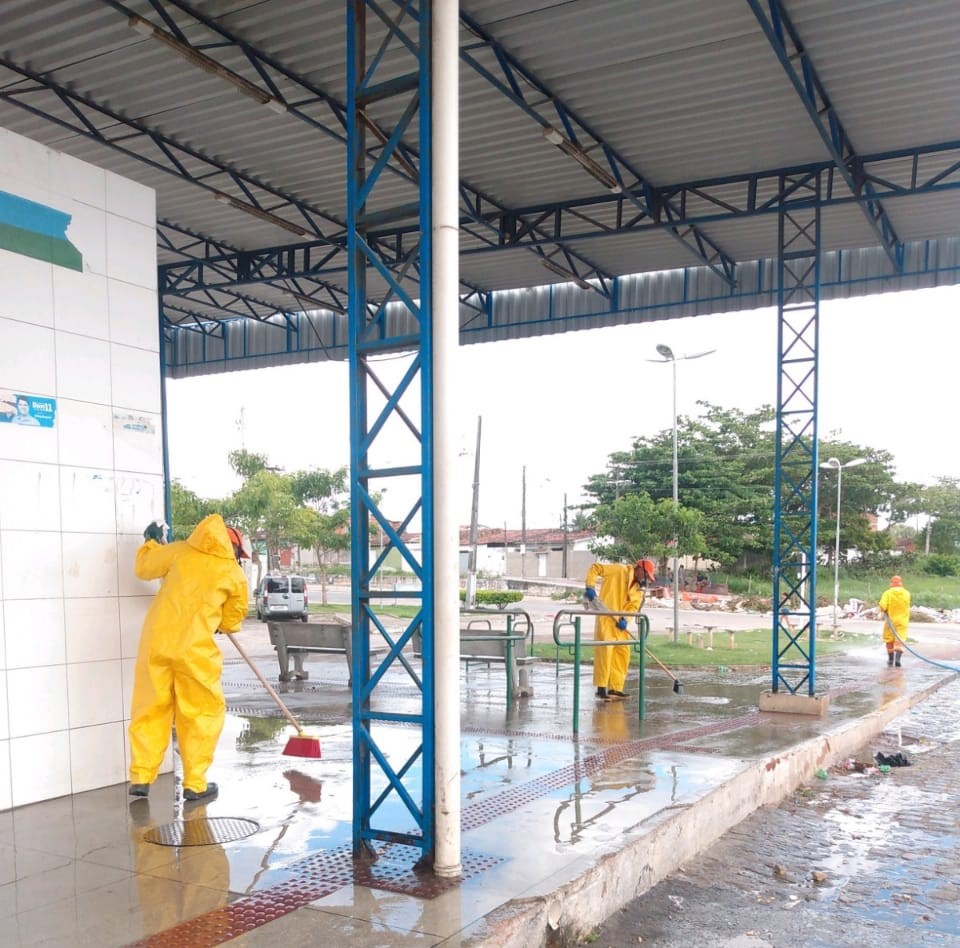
942 505
636 526
327 530
187 510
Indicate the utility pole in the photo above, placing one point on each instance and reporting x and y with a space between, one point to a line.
565 531
523 526
474 514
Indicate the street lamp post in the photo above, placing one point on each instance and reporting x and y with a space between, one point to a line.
835 463
667 356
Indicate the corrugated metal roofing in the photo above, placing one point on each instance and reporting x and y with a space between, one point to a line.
683 91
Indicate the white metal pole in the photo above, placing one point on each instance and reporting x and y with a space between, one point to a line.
836 555
676 511
446 305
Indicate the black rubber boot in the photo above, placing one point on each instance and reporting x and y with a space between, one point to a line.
139 789
890 658
602 693
897 660
191 796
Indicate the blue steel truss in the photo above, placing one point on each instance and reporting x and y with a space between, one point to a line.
389 789
527 91
795 477
909 172
790 50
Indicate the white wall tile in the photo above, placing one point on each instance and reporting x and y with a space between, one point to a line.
98 756
87 231
134 316
32 565
127 546
27 358
131 252
94 693
127 670
23 443
83 368
85 433
89 565
81 303
24 159
133 610
40 767
92 629
138 442
37 699
27 288
140 500
4 717
130 199
34 633
77 179
30 496
87 500
6 792
136 378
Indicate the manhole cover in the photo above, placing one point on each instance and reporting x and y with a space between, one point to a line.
205 832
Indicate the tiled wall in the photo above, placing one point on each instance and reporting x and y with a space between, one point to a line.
74 498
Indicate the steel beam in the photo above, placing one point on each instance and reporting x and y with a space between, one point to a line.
401 159
646 200
793 56
795 464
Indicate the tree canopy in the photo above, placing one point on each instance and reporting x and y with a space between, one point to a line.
725 491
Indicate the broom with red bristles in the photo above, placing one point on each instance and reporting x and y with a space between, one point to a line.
300 746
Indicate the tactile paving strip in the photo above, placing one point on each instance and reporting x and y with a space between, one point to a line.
314 877
204 831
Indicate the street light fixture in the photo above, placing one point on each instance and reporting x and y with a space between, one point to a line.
667 356
835 463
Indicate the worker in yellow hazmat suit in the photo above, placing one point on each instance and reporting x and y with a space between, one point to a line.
177 676
622 590
895 605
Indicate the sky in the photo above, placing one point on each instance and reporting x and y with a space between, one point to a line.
560 405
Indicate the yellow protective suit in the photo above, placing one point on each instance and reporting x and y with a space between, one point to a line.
178 666
619 592
895 602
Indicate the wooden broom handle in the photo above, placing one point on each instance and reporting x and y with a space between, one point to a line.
266 684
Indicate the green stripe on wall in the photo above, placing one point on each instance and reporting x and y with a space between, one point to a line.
59 252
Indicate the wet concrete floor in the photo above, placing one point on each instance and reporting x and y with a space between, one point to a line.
558 832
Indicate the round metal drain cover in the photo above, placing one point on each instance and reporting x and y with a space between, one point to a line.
202 832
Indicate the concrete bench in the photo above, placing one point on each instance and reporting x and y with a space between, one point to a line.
704 638
296 640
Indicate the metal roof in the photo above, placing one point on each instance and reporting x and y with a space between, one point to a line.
682 105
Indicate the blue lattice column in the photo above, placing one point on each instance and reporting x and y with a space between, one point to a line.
795 504
391 391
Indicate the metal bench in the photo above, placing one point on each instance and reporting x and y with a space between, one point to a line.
494 636
296 640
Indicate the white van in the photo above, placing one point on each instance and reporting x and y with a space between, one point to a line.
282 597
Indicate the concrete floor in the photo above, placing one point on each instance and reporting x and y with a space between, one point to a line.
557 832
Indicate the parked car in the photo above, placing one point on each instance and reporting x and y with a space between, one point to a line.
282 597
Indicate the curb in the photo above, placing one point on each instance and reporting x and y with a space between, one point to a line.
562 918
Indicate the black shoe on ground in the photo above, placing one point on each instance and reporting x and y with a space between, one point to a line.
897 661
889 658
602 693
618 694
192 796
139 789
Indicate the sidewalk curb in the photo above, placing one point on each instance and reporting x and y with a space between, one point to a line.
560 919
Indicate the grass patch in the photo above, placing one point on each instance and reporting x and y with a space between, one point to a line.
753 647
341 608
